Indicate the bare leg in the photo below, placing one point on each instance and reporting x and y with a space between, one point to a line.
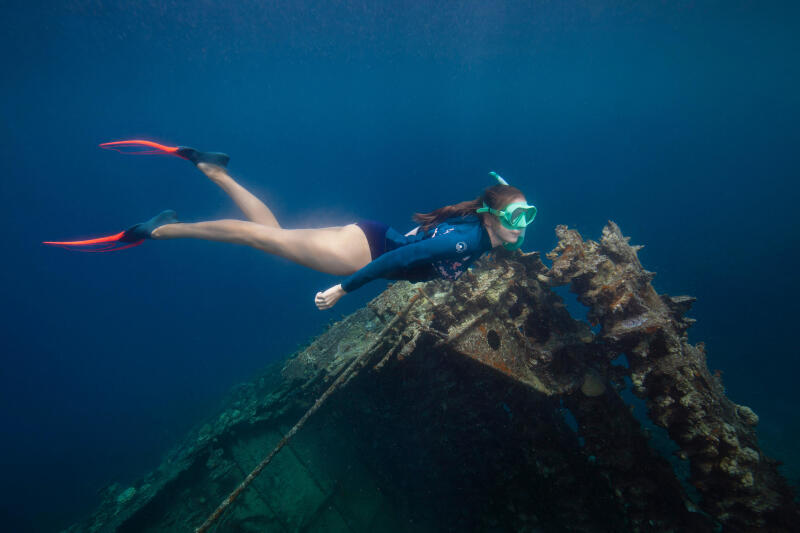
339 250
253 208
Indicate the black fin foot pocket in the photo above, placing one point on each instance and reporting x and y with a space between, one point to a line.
144 229
196 156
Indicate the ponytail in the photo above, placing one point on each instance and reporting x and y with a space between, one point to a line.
496 197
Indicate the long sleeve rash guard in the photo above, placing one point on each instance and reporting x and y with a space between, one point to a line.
445 251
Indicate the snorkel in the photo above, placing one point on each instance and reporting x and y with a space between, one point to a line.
514 216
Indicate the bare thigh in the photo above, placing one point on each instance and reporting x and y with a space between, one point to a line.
338 250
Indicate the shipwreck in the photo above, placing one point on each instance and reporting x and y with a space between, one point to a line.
478 405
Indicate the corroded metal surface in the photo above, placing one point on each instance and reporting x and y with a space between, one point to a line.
740 486
461 401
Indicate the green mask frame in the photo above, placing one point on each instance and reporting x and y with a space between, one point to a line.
514 216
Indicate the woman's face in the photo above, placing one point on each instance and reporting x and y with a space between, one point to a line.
502 233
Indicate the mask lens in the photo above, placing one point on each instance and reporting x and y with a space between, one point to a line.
521 217
517 215
529 215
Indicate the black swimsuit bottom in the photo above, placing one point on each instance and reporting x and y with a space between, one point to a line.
376 236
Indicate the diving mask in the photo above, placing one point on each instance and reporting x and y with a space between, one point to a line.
514 216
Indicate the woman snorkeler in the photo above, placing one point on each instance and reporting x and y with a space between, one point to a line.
447 241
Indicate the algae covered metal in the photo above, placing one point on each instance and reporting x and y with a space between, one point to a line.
479 405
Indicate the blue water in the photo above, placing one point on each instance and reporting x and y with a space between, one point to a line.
677 120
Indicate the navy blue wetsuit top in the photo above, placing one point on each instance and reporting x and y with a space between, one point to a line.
444 251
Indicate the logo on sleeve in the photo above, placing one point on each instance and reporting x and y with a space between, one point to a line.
461 247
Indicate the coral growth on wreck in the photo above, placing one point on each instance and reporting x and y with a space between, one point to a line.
453 417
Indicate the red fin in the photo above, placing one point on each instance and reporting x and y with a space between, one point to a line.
140 147
110 243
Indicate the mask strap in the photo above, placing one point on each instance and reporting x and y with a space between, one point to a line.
487 209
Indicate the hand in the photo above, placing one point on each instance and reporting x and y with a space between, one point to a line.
327 299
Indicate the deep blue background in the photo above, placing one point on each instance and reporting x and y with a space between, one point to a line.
677 120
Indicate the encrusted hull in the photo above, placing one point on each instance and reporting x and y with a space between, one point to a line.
443 409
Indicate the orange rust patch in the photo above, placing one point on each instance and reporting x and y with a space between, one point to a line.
482 328
500 365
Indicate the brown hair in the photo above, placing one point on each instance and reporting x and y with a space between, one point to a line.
496 197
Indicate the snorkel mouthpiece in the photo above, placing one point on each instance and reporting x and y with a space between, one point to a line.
511 246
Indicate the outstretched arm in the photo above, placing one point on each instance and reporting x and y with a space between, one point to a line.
408 256
451 244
